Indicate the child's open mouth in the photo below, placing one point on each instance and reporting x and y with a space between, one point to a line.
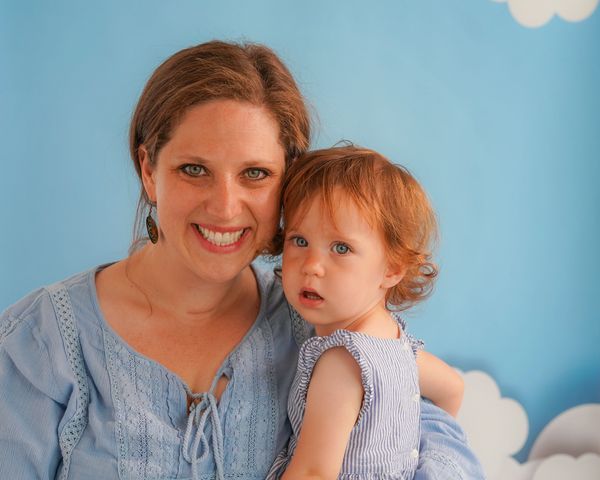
311 295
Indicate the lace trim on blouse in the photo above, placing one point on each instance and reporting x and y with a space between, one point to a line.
72 431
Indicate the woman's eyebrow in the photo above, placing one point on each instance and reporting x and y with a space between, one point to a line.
245 163
192 158
262 162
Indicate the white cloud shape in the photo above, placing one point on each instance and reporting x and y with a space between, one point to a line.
535 13
560 467
567 448
574 432
513 470
556 467
495 426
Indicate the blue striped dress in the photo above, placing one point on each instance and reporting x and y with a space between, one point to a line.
384 441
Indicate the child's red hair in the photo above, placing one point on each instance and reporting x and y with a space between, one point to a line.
388 196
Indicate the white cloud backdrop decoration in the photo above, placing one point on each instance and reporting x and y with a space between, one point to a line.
581 425
536 13
497 427
513 470
561 467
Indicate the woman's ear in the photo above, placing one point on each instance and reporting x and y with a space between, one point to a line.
393 277
147 171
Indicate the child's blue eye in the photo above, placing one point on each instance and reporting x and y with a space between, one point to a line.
300 242
341 248
193 170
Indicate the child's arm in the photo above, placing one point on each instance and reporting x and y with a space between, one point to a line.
439 382
333 403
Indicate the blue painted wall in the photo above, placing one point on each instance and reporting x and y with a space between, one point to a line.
500 123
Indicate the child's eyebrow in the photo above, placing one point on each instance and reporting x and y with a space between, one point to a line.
346 238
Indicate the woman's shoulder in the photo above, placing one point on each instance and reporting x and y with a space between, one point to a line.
284 321
269 282
39 339
38 310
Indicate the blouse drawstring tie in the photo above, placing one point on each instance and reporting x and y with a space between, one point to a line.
195 443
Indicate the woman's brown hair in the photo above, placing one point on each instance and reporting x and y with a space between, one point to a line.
388 196
215 70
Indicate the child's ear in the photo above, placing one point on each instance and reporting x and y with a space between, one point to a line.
393 277
147 171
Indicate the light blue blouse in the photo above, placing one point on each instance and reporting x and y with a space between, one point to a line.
77 402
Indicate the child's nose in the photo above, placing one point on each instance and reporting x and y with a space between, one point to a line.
313 265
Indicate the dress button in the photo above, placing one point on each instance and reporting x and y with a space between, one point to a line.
417 397
405 346
414 453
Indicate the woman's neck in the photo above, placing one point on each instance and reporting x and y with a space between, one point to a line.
170 287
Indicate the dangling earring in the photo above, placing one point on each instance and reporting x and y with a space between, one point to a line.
151 227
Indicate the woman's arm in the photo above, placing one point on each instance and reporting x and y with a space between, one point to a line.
444 453
439 382
333 403
30 412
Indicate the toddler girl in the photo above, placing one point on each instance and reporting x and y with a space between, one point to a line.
357 238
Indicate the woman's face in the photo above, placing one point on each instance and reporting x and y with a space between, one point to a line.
216 186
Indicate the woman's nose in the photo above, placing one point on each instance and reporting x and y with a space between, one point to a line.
224 200
313 265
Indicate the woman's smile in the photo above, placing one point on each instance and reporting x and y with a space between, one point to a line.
221 239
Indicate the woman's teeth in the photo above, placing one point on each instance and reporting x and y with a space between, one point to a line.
219 238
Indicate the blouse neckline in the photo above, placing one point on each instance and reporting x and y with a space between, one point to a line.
260 317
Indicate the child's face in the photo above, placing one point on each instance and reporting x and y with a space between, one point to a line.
334 274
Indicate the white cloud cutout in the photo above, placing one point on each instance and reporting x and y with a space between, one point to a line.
556 467
496 427
568 448
580 425
560 467
535 13
513 470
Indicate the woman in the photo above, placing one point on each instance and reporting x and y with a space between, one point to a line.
176 362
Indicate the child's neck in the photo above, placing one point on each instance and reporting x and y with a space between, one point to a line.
376 322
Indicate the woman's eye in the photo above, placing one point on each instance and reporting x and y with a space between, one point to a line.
299 242
341 248
256 173
193 170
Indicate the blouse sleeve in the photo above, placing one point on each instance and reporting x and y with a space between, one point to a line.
444 453
33 398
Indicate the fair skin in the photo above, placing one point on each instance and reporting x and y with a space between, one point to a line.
216 188
440 383
336 274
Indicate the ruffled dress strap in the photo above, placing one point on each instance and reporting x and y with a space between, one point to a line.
314 347
416 344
